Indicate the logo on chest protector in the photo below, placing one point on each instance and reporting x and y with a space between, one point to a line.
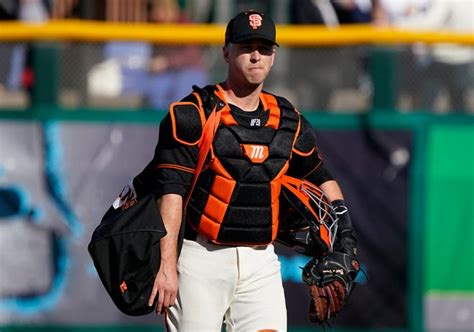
257 154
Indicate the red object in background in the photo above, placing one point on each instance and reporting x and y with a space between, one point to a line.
27 78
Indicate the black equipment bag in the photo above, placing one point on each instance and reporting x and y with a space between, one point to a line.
125 248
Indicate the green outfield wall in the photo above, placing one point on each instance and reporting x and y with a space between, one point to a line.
449 225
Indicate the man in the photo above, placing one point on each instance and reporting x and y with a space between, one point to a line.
227 266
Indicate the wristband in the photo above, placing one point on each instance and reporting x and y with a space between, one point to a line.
342 213
345 239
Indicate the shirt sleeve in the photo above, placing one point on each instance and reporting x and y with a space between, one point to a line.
173 164
307 162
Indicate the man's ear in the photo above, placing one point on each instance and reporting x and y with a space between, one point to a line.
225 51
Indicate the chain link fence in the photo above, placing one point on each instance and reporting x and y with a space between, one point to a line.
135 76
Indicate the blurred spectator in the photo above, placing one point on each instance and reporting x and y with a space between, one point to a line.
313 12
173 69
124 72
314 72
7 10
412 58
212 11
61 9
6 13
358 12
209 11
264 6
448 67
353 11
160 74
385 12
20 73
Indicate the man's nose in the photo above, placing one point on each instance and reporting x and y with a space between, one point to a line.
255 56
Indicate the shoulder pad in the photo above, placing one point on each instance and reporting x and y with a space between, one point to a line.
284 103
208 98
191 98
287 108
187 122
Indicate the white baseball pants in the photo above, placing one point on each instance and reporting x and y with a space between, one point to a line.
242 285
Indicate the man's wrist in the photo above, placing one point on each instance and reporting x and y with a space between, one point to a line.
345 239
168 263
342 214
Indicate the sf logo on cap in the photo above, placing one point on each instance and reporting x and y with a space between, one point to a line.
255 21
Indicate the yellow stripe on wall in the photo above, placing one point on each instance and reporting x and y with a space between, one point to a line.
288 35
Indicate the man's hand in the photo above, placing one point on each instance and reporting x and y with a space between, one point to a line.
165 287
166 281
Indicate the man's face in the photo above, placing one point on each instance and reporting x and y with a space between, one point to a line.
250 61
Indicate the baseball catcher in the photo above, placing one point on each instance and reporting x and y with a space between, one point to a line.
323 231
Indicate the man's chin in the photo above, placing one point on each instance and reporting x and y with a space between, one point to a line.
255 81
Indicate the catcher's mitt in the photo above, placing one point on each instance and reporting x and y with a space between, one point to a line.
330 281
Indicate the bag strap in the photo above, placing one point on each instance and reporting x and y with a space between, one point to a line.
204 145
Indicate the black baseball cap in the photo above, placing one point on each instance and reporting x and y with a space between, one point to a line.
250 25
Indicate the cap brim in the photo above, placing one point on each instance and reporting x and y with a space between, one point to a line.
253 36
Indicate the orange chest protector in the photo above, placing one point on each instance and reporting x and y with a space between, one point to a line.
236 198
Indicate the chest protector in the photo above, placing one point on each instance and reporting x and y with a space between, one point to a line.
236 198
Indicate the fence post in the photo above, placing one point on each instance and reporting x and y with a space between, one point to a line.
383 67
44 92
